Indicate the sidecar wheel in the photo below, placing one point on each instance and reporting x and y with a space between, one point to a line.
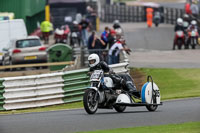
152 107
119 108
89 101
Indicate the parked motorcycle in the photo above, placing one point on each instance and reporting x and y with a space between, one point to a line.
156 21
179 39
193 36
157 18
102 93
61 34
75 39
119 31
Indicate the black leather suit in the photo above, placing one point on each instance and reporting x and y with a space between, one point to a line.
123 80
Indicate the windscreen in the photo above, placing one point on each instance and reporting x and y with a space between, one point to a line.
28 43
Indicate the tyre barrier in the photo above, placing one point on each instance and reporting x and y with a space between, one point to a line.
46 89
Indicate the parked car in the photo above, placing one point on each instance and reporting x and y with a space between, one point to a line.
9 30
25 50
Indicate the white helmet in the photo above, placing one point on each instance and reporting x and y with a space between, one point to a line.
180 21
116 22
75 22
193 22
93 60
185 16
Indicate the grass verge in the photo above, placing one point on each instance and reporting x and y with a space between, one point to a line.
190 127
48 108
175 83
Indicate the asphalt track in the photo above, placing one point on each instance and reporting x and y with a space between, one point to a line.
152 47
68 121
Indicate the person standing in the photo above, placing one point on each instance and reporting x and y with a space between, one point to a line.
84 31
194 9
111 38
115 50
104 36
95 44
75 29
187 8
149 16
46 27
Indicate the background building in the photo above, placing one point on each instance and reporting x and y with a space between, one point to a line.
32 11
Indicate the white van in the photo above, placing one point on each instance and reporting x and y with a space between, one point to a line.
9 30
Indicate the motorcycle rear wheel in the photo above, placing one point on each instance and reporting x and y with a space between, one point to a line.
89 101
179 43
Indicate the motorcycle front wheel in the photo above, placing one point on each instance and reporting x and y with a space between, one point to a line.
90 101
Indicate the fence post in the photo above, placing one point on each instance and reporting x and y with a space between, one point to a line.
109 13
177 14
166 16
129 14
137 14
181 12
82 56
133 13
172 15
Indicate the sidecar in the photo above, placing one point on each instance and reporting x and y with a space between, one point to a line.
150 97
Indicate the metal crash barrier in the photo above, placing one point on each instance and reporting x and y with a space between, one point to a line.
46 89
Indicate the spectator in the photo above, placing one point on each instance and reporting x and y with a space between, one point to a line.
90 40
75 29
91 16
111 38
46 27
95 44
84 31
149 16
78 17
187 8
115 50
104 36
194 9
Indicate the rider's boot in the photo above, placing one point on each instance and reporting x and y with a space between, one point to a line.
132 89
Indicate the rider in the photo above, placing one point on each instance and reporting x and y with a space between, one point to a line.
116 24
192 26
178 27
186 21
123 80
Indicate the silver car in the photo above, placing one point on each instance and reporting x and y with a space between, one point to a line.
25 50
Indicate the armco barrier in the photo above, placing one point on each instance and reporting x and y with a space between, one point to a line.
1 94
46 89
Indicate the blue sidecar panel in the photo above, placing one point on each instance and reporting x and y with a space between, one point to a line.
143 92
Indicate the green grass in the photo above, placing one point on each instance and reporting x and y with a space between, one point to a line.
190 127
48 108
176 83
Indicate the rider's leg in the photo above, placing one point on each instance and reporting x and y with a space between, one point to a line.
128 85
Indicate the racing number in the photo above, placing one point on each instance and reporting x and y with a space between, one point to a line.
157 93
